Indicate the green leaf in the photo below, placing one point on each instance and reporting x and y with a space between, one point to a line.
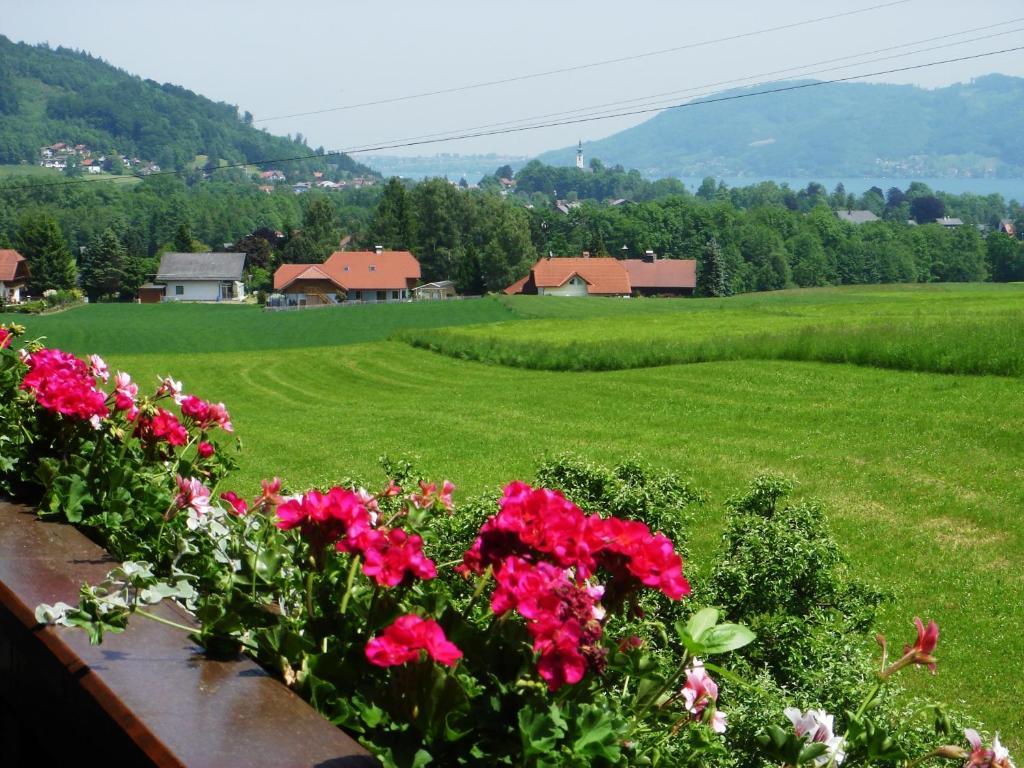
539 732
701 622
726 637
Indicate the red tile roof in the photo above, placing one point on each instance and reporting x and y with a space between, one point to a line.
356 270
664 273
603 275
517 286
12 266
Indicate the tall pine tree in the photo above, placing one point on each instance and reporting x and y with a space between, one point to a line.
105 268
49 260
711 273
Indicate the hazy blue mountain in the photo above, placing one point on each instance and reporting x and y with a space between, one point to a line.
864 129
52 95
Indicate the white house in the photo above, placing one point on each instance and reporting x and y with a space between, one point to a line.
202 276
13 275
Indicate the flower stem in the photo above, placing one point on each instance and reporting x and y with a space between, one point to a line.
349 581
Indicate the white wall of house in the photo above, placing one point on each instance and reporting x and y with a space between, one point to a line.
575 286
200 290
9 294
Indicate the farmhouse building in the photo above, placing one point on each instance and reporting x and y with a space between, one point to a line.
371 276
13 276
202 276
856 217
652 276
442 289
586 276
578 276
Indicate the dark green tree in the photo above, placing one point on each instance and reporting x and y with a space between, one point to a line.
40 241
711 280
1005 257
926 209
183 240
392 224
105 268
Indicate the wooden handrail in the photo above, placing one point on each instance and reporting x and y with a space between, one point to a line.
146 696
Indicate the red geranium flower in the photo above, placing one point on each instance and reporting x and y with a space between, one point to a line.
402 641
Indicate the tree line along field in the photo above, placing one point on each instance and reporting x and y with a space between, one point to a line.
922 472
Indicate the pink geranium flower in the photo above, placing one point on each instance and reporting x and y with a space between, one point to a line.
5 337
921 651
98 368
402 641
816 725
205 450
997 756
701 692
390 556
192 494
126 392
238 505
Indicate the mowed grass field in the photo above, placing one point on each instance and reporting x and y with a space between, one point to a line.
923 473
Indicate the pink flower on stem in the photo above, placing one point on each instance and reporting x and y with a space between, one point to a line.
169 386
445 497
126 392
205 450
816 725
192 494
98 368
62 383
982 757
238 505
921 651
701 692
389 556
402 641
336 517
270 494
162 425
425 498
5 337
393 489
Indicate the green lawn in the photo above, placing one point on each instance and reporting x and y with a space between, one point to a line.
923 472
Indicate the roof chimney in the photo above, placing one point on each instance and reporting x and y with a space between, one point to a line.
649 256
586 254
378 249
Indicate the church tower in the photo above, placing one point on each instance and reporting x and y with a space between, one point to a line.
579 155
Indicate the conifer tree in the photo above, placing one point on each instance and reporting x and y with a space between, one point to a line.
711 275
49 260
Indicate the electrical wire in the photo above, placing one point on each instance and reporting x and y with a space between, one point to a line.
591 65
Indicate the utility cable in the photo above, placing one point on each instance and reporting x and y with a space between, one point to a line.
591 65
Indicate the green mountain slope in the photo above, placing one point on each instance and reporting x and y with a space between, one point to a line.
864 129
60 95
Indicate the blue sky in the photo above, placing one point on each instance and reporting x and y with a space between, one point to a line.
275 58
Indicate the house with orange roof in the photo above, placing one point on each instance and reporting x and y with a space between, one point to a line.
371 276
13 276
586 276
575 276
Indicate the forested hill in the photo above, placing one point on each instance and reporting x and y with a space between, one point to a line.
60 95
842 129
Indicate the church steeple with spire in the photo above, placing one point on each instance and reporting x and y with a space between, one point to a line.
579 155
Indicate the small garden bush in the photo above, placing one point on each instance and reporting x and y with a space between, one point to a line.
535 627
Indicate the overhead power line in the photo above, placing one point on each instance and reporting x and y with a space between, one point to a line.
590 65
701 91
555 123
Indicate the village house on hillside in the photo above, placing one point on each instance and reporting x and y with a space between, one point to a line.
586 276
199 277
372 276
856 217
13 276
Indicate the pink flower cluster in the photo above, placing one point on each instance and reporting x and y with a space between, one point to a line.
6 337
340 517
64 384
402 641
543 549
701 692
205 415
160 425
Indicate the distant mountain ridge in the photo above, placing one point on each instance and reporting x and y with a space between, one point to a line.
841 129
50 95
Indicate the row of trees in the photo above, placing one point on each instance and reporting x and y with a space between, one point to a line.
480 239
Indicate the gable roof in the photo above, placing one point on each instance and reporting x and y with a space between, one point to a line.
12 266
856 217
664 273
604 276
201 266
356 270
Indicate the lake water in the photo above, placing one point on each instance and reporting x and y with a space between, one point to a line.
1010 189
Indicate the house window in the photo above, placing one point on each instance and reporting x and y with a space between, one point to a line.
373 267
179 290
